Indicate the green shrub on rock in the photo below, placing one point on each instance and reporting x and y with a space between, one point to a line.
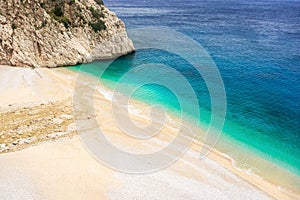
14 26
98 26
99 2
65 21
58 11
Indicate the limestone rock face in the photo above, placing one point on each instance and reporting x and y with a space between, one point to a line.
51 33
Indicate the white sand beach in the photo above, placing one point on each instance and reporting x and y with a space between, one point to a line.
60 167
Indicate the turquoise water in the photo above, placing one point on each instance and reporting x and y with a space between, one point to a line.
265 145
255 46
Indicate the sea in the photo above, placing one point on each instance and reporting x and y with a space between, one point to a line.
255 45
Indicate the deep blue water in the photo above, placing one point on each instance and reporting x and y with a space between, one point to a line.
256 47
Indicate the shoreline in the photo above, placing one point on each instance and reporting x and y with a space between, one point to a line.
262 182
225 160
259 183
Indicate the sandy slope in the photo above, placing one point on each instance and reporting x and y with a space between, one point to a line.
65 170
36 105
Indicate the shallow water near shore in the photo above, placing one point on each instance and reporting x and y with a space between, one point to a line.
255 45
235 141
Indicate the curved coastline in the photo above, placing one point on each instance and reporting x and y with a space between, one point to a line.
42 154
66 151
269 182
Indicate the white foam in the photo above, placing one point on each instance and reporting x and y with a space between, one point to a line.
107 94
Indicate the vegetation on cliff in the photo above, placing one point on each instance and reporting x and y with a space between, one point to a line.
50 33
71 14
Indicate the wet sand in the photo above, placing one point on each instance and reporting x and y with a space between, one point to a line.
63 168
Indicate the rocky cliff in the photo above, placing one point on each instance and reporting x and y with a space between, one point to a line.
51 33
